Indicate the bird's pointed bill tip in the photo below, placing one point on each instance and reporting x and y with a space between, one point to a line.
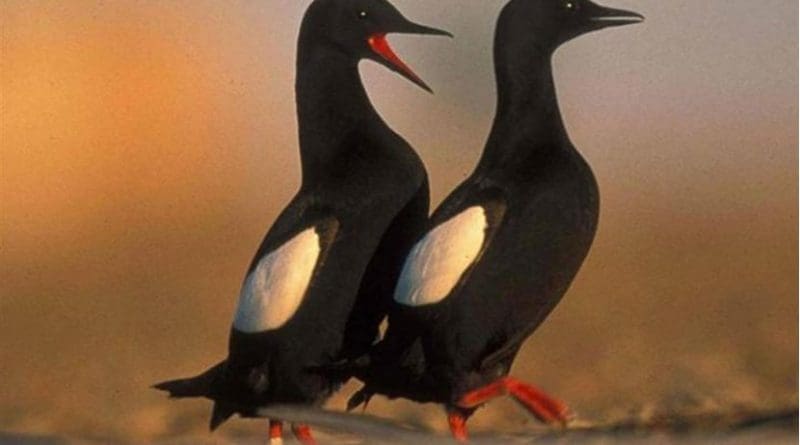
380 46
605 17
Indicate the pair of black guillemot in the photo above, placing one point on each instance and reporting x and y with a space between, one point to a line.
462 289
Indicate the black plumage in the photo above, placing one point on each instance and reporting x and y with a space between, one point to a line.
364 194
540 205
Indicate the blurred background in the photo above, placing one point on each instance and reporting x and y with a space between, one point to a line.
146 146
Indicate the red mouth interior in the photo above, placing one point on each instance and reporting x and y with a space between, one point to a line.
379 44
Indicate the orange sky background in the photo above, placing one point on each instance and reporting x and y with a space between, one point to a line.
146 146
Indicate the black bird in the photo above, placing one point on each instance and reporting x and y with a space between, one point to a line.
362 204
503 248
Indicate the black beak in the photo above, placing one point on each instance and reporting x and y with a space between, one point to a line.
386 56
600 17
408 27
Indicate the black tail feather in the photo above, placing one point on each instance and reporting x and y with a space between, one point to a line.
198 386
361 397
222 411
344 368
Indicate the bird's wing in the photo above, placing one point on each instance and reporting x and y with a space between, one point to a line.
442 259
283 269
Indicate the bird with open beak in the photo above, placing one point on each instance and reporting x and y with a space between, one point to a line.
322 279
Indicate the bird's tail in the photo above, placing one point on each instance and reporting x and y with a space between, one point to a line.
343 369
203 385
198 386
222 411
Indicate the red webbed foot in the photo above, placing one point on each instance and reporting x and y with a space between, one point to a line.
275 432
458 425
542 406
303 434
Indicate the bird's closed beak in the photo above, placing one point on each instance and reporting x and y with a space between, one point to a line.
380 46
600 17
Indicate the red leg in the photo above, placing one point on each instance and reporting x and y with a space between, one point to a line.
478 397
458 425
303 433
275 432
544 407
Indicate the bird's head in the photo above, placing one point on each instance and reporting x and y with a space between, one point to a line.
553 22
358 28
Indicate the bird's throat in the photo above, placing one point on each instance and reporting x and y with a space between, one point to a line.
331 103
527 115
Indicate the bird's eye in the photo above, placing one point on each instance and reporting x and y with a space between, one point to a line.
570 6
362 14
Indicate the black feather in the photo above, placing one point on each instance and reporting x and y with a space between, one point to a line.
198 386
222 411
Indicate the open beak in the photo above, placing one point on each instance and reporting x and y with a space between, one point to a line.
600 17
378 43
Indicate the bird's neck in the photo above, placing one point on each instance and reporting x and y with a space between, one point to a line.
527 120
331 104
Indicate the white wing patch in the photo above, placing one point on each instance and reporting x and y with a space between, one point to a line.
438 261
273 291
